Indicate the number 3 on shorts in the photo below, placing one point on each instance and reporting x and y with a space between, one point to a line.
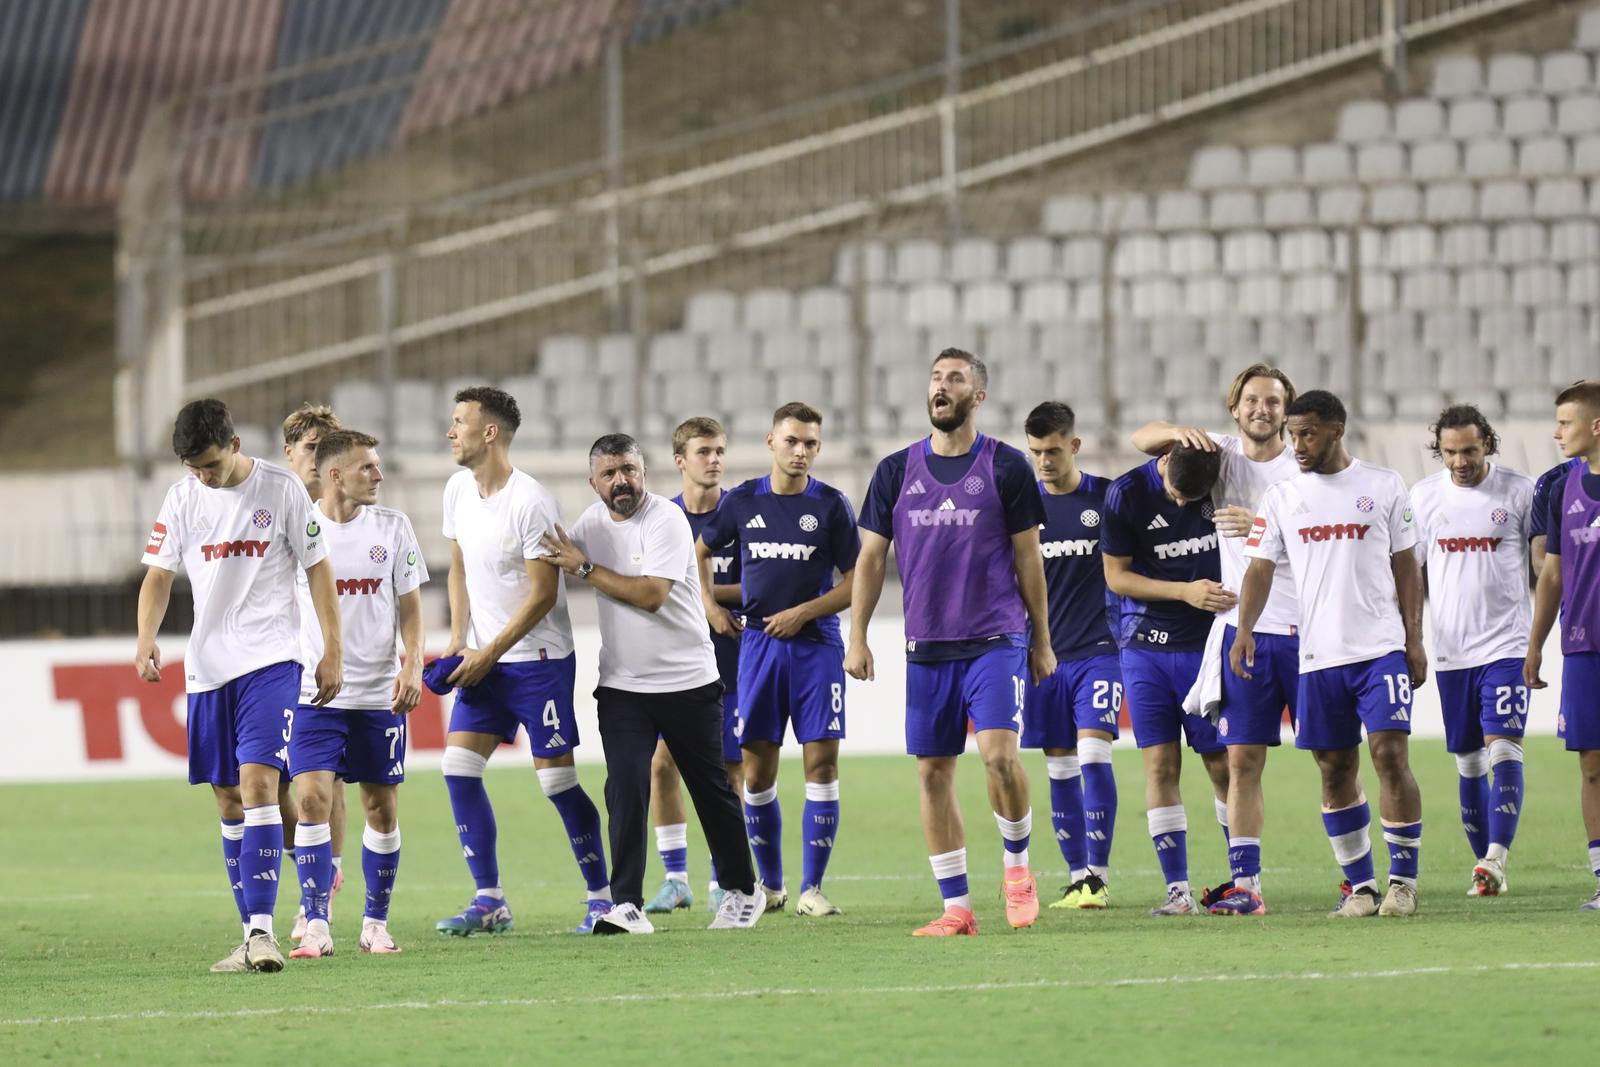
552 718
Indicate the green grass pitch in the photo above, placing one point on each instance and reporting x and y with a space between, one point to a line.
112 905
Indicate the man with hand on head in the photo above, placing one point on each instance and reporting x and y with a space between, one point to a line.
658 680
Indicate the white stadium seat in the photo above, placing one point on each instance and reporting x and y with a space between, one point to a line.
1180 209
1340 205
1588 35
1457 75
1260 294
1191 253
866 261
1381 161
1418 119
730 350
931 303
1281 335
833 347
918 260
710 310
1175 335
1450 202
1578 113
1229 336
974 259
821 307
1425 289
1155 297
1273 164
1287 207
1234 210
1525 116
1448 327
1083 257
1563 72
1571 361
1126 211
616 355
1397 203
1046 301
1191 375
1504 200
1435 161
1305 250
564 354
1474 116
1326 164
1313 294
1586 155
1583 286
1558 198
1208 295
984 302
1378 290
768 309
1575 240
787 349
1216 167
1071 214
885 306
1558 324
1361 121
1501 327
1510 73
1028 258
1465 244
897 346
1139 254
1518 243
743 389
1483 287
671 353
1490 157
1407 247
1405 371
1544 157
1247 251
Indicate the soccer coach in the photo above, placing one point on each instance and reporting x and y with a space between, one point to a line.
658 679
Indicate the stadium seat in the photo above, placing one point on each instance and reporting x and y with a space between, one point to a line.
1022 383
1378 290
1028 258
1465 244
1455 76
1089 300
1570 362
1448 328
1191 253
1154 297
1525 116
1207 295
1474 116
1435 161
1248 251
1229 336
1408 247
897 346
1398 203
821 306
1303 366
768 309
1273 164
615 356
1528 402
1510 73
1278 335
984 302
1313 294
1587 36
1330 336
740 389
1135 376
885 306
711 310
786 349
1305 250
834 347
1555 325
1175 335
1418 119
1564 72
1071 214
1190 375
362 403
1070 343
1216 167
1558 198
1575 240
1542 157
1326 164
670 353
1409 369
1046 301
918 260
1392 331
1139 254
1130 336
1503 200
1381 161
565 354
1083 257
974 259
809 384
1490 157
1502 327
1126 212
1578 114
1340 205
418 408
1009 342
1449 202
1517 363
1424 289
1583 285
1483 287
866 261
1517 243
1180 209
1282 208
1260 294
586 395
1361 121
1234 209
731 350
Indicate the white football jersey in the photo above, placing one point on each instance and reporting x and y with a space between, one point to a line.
1242 483
241 548
375 561
497 536
1474 543
1338 532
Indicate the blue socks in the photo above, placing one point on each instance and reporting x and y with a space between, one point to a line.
950 870
474 815
260 856
1473 768
1066 813
1244 861
582 820
672 841
763 822
821 819
1014 835
1169 832
232 840
1505 760
380 864
313 845
1099 801
1405 850
1352 843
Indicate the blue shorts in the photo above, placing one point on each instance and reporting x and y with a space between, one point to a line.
1336 702
1490 699
1156 683
798 682
358 746
1580 704
535 693
246 720
990 689
1083 694
1252 710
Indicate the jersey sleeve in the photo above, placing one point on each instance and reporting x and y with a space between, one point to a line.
845 538
448 524
668 545
164 547
1266 533
877 510
1019 491
301 528
536 518
1402 520
720 529
1555 491
1419 508
409 571
1117 535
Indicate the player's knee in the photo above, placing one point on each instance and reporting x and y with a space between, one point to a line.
1003 766
1473 764
315 806
1246 761
383 819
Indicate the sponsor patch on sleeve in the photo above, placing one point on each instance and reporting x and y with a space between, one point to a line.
158 538
1257 528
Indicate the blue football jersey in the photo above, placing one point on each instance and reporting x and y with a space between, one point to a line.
789 547
1165 542
1082 610
724 571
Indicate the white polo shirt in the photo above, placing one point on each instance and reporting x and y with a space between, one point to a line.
666 651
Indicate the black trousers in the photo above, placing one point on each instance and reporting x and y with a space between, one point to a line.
690 722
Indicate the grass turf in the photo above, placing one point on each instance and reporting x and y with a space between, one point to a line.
114 906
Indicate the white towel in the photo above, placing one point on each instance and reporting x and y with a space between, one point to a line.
1205 695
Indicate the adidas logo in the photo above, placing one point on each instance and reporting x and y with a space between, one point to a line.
1109 716
397 771
833 724
1508 808
948 505
556 741
915 488
1062 835
1471 828
1401 854
589 857
1514 722
1097 835
1158 523
466 850
1400 716
1576 508
821 842
757 840
309 883
1165 843
757 523
266 876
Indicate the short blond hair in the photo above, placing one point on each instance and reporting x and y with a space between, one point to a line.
307 418
1259 370
689 429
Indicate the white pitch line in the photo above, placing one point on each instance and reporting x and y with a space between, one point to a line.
652 998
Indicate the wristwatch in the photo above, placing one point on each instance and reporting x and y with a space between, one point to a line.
585 569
